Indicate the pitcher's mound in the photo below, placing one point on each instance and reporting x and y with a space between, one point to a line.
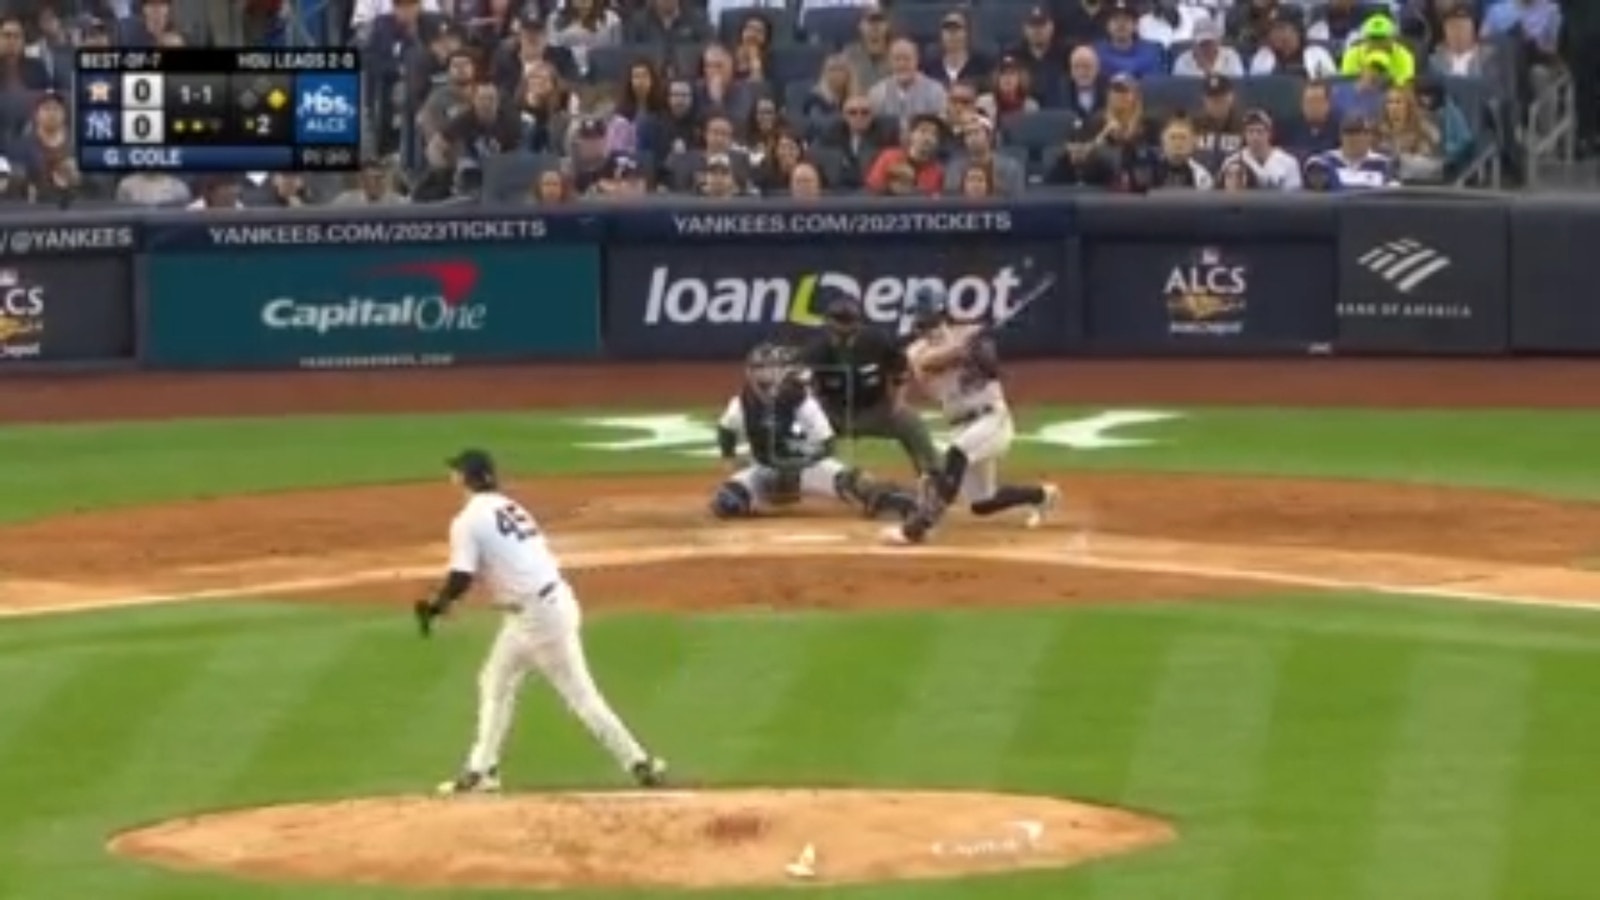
655 839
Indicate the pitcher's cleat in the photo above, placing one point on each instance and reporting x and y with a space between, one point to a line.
650 773
1044 508
472 783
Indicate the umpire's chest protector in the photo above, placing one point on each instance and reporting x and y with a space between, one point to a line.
857 373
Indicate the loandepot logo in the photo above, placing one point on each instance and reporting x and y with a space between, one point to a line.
686 435
443 307
993 296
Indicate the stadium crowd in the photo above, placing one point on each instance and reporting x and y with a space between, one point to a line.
573 100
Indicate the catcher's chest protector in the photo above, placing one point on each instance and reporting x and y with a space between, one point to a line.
770 426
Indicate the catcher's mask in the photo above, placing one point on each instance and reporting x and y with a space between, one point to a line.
843 318
929 308
767 368
476 468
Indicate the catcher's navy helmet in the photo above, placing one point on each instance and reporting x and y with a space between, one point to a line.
476 468
929 306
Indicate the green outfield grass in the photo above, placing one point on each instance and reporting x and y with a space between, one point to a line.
1377 748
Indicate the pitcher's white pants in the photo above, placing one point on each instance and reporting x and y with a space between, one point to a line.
984 441
544 637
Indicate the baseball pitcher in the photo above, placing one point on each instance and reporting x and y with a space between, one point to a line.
958 367
791 446
495 538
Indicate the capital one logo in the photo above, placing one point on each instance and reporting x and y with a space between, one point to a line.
446 307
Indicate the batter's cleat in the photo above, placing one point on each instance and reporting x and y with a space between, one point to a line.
1043 509
470 782
895 536
650 773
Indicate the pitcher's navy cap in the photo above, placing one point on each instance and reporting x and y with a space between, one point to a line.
476 467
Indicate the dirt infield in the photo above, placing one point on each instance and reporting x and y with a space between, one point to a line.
646 542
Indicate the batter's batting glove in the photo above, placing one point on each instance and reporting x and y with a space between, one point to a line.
426 611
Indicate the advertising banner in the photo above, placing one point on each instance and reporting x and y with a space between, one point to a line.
1555 251
59 309
1423 278
1191 297
677 301
363 307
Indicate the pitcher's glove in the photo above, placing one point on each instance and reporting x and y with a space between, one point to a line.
426 611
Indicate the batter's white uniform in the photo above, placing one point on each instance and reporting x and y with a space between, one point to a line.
495 539
811 430
980 422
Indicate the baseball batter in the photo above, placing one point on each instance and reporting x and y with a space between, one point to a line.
958 367
495 538
791 446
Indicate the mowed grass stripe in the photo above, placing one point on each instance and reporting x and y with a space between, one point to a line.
956 724
1550 824
1439 823
854 674
1199 759
1338 698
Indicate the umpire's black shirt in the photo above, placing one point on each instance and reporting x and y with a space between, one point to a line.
858 373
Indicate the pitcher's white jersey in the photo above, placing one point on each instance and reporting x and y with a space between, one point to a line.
971 385
494 538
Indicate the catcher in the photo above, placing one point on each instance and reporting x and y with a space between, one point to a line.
791 447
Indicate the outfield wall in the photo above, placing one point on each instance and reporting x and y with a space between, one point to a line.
1395 273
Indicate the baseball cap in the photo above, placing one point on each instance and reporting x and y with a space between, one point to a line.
1121 8
719 161
531 21
591 127
1217 85
1460 11
1207 30
1123 80
1378 27
953 19
874 14
1355 122
473 464
1256 117
1038 15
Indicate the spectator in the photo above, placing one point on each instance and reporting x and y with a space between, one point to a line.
1536 23
1248 21
581 26
374 187
1336 23
720 142
19 73
489 23
13 191
145 29
487 129
1408 137
955 60
755 39
1041 56
367 14
53 48
900 180
513 58
1316 130
1236 176
1353 165
858 138
716 8
907 93
919 154
977 152
1377 45
1286 53
1123 126
622 179
1208 56
977 184
1365 94
645 94
1122 51
396 44
762 129
1178 168
57 184
666 24
46 143
1267 166
868 55
836 84
1082 161
1318 175
1459 55
683 131
805 182
544 114
717 90
1087 86
280 190
450 99
1455 130
776 169
1219 126
218 192
93 33
427 65
718 181
551 188
961 107
149 189
1012 91
750 72
1171 22
590 157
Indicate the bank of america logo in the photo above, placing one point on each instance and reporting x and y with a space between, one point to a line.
1405 263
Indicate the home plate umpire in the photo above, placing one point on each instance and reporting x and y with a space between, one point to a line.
859 375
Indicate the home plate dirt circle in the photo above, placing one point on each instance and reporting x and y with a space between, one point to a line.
670 839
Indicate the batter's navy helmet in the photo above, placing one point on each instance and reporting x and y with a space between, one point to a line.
476 468
929 307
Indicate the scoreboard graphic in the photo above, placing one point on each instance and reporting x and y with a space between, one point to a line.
210 110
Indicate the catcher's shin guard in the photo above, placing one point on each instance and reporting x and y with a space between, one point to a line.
874 497
731 501
930 508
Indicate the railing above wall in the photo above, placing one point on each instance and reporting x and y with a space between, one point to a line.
1400 273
